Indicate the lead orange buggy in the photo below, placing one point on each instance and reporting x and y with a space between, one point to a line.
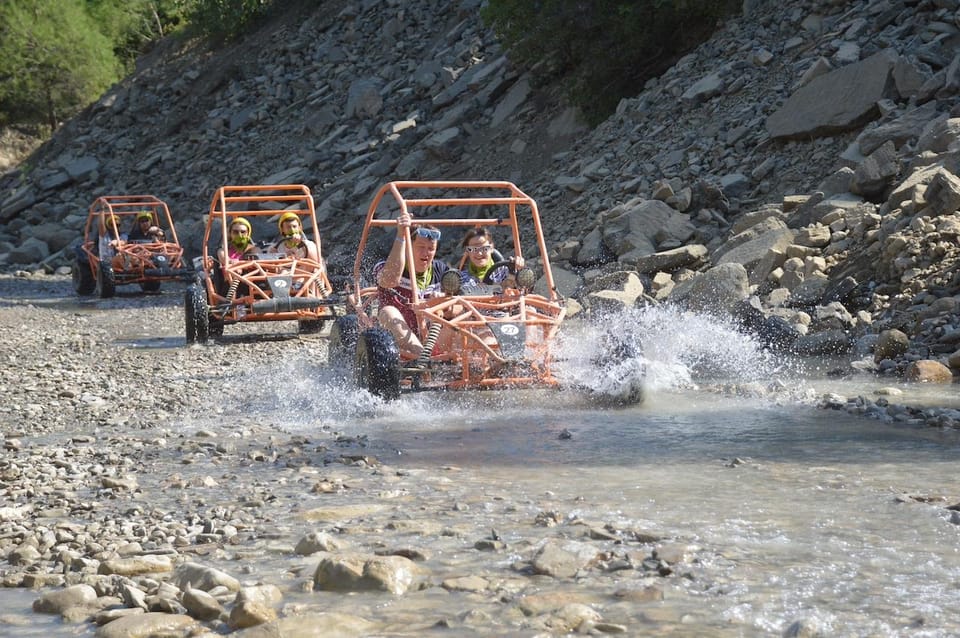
503 333
259 285
114 252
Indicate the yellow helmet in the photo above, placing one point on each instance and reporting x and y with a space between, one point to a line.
243 222
285 218
144 214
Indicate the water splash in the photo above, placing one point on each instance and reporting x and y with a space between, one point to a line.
677 350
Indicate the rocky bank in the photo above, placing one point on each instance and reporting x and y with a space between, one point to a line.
802 161
797 174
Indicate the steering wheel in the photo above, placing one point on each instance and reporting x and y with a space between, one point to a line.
509 263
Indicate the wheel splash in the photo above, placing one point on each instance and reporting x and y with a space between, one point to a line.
621 358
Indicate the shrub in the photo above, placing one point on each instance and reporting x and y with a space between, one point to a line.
602 50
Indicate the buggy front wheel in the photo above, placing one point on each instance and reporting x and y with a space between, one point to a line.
378 364
106 284
195 315
83 283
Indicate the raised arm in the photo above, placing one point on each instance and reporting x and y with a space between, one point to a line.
393 268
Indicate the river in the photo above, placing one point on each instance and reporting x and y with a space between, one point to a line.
790 513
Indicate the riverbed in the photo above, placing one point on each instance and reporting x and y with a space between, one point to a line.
727 504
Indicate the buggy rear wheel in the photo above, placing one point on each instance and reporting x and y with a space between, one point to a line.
195 315
378 364
83 283
106 285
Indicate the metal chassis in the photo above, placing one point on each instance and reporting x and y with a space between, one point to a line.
268 288
137 256
477 359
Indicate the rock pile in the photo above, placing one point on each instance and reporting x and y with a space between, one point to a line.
796 172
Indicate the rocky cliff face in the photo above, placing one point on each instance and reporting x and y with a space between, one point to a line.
796 172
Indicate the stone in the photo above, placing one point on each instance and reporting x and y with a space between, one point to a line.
927 371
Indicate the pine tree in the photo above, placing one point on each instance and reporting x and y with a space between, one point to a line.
54 60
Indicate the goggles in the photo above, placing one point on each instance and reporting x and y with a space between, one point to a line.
427 233
479 250
240 230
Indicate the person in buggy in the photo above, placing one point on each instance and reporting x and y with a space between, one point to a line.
106 244
292 242
395 290
144 229
240 240
481 258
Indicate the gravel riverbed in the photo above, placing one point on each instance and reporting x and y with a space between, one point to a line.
155 489
147 491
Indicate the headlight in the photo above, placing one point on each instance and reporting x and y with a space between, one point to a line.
526 279
450 282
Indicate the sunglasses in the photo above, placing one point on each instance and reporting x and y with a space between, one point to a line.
478 249
238 231
427 233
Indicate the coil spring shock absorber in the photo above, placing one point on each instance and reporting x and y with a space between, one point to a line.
232 294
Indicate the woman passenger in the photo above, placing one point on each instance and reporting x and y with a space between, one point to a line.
480 256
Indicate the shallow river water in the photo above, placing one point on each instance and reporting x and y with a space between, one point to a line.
794 513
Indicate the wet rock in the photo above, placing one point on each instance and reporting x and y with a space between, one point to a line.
57 602
928 371
466 583
201 605
135 566
715 291
890 344
563 559
393 574
250 613
202 577
147 625
325 624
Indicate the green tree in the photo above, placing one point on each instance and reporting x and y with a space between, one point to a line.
53 60
132 25
226 20
603 50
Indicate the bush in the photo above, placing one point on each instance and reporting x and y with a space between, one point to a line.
602 50
226 20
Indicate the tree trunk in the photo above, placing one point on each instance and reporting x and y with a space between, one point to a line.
51 112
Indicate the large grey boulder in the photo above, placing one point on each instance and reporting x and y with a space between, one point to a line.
717 291
641 226
876 172
837 101
31 251
899 130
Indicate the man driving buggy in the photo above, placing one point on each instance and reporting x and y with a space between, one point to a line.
395 290
292 241
144 229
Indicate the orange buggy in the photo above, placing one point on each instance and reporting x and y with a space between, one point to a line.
259 285
113 253
503 334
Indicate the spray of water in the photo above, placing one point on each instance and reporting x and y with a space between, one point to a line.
645 350
671 348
